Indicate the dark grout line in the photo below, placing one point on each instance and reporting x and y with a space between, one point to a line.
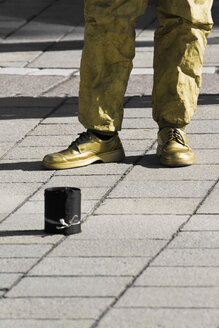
62 296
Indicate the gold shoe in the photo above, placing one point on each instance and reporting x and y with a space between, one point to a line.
86 149
173 148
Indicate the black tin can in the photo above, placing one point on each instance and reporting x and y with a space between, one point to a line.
63 210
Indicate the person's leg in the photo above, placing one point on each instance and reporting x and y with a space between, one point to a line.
106 62
179 47
180 42
105 68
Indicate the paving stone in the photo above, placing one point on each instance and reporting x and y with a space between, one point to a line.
61 120
196 239
211 55
138 123
10 125
150 189
203 140
179 276
13 64
21 176
46 323
148 206
38 28
58 9
13 194
207 156
83 181
86 266
96 169
209 83
129 226
134 112
52 59
202 223
25 9
211 204
69 286
143 58
8 25
86 194
188 257
18 56
4 147
206 112
144 172
32 236
141 71
25 229
174 297
57 141
23 251
155 317
23 225
67 88
52 308
138 134
57 130
12 265
130 145
203 126
2 216
26 85
108 247
139 84
32 152
76 34
6 280
54 71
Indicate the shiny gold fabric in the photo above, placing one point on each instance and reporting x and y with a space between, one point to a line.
109 49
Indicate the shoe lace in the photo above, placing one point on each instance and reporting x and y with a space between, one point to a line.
84 136
175 135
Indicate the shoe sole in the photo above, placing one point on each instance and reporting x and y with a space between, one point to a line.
170 163
114 156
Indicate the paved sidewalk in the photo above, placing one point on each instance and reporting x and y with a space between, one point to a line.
148 254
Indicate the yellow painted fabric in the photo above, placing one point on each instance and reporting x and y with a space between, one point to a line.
109 49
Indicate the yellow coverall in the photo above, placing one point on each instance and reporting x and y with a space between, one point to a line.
109 49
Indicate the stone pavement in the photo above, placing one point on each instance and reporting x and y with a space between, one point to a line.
148 254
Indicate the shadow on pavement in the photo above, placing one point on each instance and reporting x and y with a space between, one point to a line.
29 107
12 233
59 46
149 160
23 166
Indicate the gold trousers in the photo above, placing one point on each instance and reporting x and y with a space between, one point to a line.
109 48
